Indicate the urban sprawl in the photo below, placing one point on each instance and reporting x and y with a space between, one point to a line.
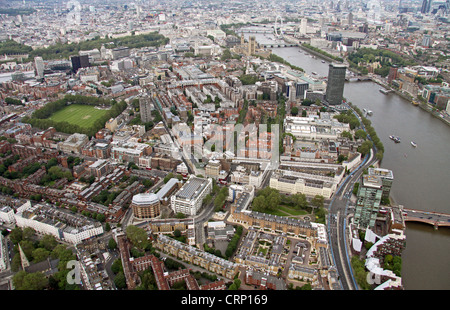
158 147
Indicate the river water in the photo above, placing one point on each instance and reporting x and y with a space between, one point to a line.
421 174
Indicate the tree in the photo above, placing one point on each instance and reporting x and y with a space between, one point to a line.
29 281
320 215
268 199
294 111
28 233
16 235
365 147
226 55
116 266
347 135
317 201
40 254
360 134
61 252
306 287
120 281
168 177
299 201
177 233
100 217
207 199
137 236
112 244
48 242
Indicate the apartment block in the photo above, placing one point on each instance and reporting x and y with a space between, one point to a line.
188 200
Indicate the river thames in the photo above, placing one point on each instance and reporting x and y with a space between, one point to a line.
421 174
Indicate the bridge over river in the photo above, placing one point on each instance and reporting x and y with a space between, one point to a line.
433 218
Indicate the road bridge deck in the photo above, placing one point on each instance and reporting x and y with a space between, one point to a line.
436 219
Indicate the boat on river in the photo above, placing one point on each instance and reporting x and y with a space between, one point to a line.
384 91
413 143
395 138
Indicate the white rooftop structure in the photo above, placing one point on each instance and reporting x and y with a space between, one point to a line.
145 198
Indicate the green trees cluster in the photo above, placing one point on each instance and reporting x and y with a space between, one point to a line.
119 275
235 285
371 132
220 198
65 50
26 171
304 287
137 236
11 47
353 121
40 118
248 79
365 147
55 173
384 57
267 199
226 55
232 245
360 273
229 28
105 197
212 251
37 251
242 113
318 50
393 263
13 101
349 118
276 58
148 281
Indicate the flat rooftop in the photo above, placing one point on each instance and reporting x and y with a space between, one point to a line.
192 188
384 173
372 181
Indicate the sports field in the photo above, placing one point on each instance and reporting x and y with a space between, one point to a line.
81 115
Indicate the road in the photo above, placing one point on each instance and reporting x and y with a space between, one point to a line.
337 220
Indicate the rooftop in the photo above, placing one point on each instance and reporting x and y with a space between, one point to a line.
145 198
192 188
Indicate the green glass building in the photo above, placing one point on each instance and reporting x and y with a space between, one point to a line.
368 201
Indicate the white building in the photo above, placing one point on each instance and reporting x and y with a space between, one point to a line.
294 183
314 128
188 200
7 214
74 143
46 219
3 256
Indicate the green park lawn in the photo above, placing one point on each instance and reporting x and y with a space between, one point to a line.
284 210
77 114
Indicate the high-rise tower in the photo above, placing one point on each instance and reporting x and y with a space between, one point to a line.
251 45
336 81
39 64
368 200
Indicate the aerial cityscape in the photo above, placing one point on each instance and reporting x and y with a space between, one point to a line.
224 145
